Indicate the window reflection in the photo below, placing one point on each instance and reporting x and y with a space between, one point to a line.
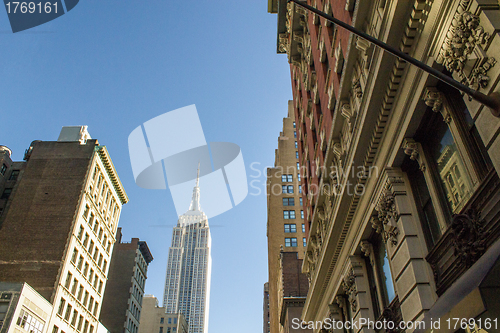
451 169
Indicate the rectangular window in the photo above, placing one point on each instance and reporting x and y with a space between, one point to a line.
288 201
303 227
86 326
291 242
75 285
68 280
286 178
298 176
85 298
6 193
302 214
295 134
288 214
80 322
300 188
73 319
73 257
68 312
61 306
296 146
170 320
300 200
290 228
3 169
298 166
290 188
294 124
161 329
297 155
304 242
14 174
86 212
55 329
162 320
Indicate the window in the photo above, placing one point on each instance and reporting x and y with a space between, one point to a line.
291 242
55 329
298 166
68 280
304 242
170 320
300 200
287 178
295 134
290 188
290 228
297 155
294 124
288 214
29 322
4 306
161 329
73 257
175 321
162 320
296 146
6 193
302 214
298 176
80 322
288 201
61 306
14 174
68 312
3 169
287 189
303 227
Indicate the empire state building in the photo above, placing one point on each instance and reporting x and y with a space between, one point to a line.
187 285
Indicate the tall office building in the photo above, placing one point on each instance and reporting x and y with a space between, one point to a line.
187 286
285 224
61 210
122 303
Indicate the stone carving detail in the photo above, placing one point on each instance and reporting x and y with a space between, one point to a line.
433 98
385 221
393 314
410 148
340 300
283 42
478 78
349 286
366 248
464 35
356 88
469 238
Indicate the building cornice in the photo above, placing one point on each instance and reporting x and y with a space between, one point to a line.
102 151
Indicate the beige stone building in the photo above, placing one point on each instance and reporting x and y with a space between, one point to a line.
22 309
62 211
155 320
400 172
286 230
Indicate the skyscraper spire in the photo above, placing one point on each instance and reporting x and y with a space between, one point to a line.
195 202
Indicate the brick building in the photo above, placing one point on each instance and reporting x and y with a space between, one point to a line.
61 212
400 173
265 310
122 303
285 224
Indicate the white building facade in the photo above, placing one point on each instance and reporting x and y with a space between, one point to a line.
187 286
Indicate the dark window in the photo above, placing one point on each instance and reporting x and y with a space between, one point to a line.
294 124
14 174
3 168
288 202
6 193
162 320
161 329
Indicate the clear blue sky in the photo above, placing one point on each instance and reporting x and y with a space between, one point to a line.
113 65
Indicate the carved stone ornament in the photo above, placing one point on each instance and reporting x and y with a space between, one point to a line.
385 221
410 148
283 42
391 315
356 88
349 286
433 98
366 248
464 35
469 238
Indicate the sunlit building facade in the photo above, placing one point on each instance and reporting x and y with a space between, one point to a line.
400 173
187 285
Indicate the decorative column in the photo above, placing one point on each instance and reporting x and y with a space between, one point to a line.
397 220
